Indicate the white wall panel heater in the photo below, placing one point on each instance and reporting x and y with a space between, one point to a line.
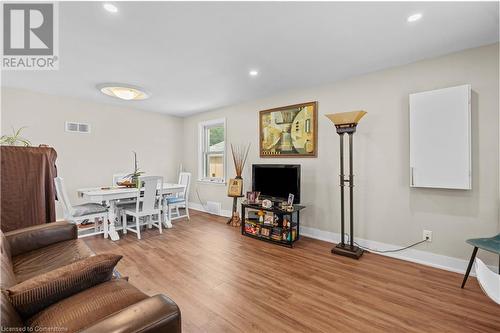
214 207
440 138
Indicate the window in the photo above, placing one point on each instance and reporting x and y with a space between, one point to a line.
212 157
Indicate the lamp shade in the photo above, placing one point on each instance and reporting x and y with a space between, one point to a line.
346 118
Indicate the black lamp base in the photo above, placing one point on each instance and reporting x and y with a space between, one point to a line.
347 250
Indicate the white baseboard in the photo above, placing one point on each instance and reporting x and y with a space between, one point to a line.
199 207
417 256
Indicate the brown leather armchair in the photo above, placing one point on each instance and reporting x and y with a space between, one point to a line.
111 306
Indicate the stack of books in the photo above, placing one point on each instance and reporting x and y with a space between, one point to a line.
276 234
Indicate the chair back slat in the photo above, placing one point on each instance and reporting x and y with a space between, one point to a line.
150 195
184 179
62 195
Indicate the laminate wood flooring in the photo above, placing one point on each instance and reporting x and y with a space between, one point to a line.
225 282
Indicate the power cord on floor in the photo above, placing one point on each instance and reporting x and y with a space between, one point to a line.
199 199
386 251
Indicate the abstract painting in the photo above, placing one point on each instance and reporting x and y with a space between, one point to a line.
289 131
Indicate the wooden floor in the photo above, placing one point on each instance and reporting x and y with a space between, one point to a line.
225 282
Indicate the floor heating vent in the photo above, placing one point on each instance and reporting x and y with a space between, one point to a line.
213 207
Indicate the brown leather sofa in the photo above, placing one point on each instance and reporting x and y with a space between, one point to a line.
111 306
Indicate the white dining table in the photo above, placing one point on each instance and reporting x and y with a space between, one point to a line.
113 194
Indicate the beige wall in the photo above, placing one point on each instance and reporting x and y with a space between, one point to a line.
86 160
386 209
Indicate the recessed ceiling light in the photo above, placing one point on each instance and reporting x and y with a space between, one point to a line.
414 17
253 73
124 91
110 8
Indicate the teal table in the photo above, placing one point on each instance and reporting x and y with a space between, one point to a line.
491 244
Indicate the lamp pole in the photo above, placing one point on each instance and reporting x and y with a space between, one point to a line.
351 189
343 249
346 122
342 180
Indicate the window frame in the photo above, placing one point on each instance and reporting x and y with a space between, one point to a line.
203 153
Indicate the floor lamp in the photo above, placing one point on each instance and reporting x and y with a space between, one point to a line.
346 122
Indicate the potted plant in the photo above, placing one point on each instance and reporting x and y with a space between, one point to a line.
15 139
132 179
137 172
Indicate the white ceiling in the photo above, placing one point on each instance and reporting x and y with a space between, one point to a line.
195 57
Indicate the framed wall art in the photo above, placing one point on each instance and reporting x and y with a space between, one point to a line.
289 131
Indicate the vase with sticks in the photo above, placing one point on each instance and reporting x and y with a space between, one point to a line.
235 188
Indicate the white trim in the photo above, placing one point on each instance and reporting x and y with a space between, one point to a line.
213 182
201 126
199 207
417 256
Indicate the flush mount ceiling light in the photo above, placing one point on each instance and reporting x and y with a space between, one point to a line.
414 17
253 72
124 91
110 7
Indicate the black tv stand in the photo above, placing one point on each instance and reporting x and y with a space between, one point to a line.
284 231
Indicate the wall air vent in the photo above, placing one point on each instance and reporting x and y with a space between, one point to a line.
73 127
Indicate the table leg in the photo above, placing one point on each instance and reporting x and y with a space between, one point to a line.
105 226
113 234
166 218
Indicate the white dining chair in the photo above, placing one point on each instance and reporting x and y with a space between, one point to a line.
81 213
148 203
179 200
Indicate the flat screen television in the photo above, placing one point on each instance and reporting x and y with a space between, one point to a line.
276 181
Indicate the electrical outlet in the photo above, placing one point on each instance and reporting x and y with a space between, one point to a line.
427 235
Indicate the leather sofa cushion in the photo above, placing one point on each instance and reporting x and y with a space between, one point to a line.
37 293
8 315
156 314
5 244
46 259
9 319
36 237
7 276
88 307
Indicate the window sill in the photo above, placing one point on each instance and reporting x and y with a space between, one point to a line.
213 182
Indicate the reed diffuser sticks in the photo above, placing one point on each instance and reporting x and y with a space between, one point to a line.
240 154
235 189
